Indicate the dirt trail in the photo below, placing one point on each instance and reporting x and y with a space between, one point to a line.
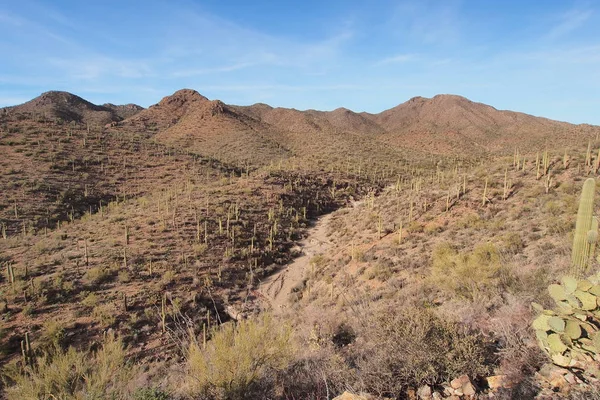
278 286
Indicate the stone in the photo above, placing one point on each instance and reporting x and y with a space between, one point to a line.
460 381
436 396
448 391
456 383
558 382
570 378
549 371
468 389
424 392
496 382
350 396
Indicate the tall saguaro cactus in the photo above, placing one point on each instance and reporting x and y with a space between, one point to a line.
586 231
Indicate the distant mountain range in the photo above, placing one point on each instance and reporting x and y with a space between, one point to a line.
444 124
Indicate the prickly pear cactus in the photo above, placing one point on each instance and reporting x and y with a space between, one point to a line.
570 333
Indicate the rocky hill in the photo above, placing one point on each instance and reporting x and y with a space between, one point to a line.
443 125
447 123
69 107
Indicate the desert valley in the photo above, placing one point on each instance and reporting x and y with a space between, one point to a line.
197 249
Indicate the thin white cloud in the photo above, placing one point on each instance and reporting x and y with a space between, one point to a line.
428 21
569 22
91 68
397 59
288 88
443 61
582 55
245 45
12 19
205 71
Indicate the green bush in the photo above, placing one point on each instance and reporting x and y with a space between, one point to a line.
468 274
237 357
150 394
98 275
105 314
72 374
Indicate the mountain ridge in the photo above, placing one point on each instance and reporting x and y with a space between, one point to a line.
70 107
444 123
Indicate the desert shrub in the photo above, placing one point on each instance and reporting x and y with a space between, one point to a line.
433 227
553 208
237 357
469 274
150 394
356 254
98 275
72 374
168 277
200 249
315 375
401 348
53 334
519 357
512 243
559 225
414 227
124 276
318 261
470 220
105 314
91 300
381 272
569 188
28 309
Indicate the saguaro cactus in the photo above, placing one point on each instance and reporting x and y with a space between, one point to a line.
586 230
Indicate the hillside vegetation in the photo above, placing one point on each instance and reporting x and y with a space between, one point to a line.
135 243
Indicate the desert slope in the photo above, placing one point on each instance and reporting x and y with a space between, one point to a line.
450 123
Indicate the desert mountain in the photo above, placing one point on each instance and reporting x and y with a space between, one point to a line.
447 122
443 125
69 107
260 134
169 110
125 110
189 120
292 120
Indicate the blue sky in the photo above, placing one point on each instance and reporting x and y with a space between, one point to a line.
539 57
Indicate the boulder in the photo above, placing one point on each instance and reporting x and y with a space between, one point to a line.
424 392
462 386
